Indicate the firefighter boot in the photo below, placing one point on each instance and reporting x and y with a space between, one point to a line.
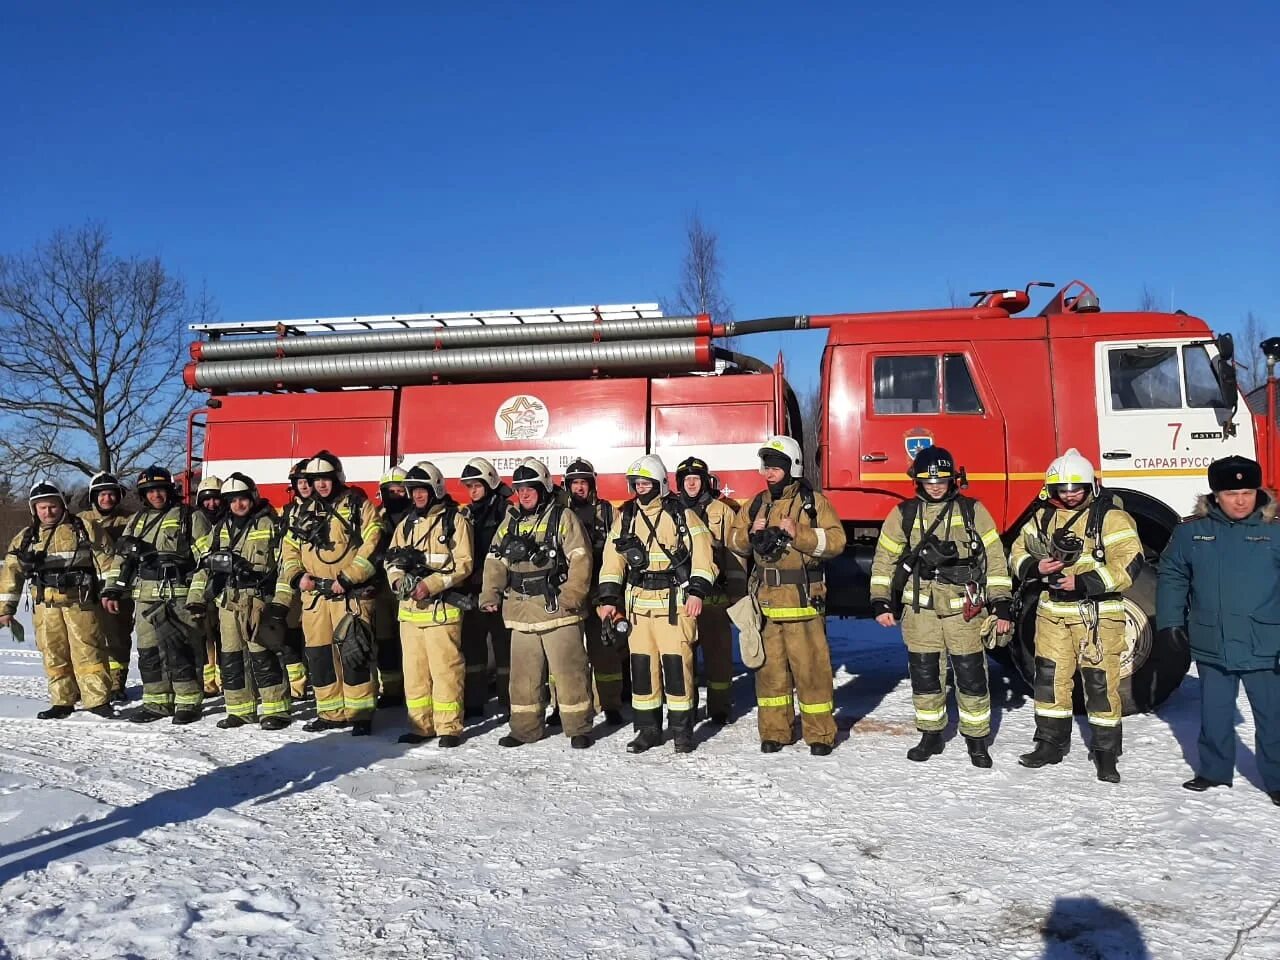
770 746
1105 763
978 754
930 745
646 739
274 721
613 718
362 727
1044 754
580 742
55 713
1275 797
143 715
186 715
231 722
104 710
820 749
448 740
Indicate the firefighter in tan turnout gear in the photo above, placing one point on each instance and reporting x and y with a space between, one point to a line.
105 496
235 579
940 560
295 666
1084 550
715 638
596 517
787 531
55 555
488 500
428 562
328 558
539 571
209 510
153 563
658 568
395 506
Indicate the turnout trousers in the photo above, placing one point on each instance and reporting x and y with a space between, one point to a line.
796 659
606 666
387 632
479 631
171 652
118 629
210 628
434 674
253 680
933 642
561 649
70 639
715 640
1218 691
341 696
1064 646
662 669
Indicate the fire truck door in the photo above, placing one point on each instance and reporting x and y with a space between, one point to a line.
1161 420
920 395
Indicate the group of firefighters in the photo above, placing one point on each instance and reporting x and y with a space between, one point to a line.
409 602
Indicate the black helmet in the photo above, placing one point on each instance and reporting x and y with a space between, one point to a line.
44 490
104 481
153 478
694 466
935 463
580 469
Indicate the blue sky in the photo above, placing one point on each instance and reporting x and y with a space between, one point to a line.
303 160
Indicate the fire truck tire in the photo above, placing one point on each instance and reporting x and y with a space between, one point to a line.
1151 673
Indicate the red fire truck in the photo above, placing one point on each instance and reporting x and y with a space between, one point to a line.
1150 398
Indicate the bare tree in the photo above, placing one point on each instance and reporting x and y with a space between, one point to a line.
701 286
1148 302
953 296
811 417
90 376
1250 362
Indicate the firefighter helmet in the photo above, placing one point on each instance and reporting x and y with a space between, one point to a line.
783 452
104 481
933 463
324 465
296 471
580 469
424 473
693 466
649 467
209 486
395 474
532 472
238 485
153 478
480 469
1069 472
44 490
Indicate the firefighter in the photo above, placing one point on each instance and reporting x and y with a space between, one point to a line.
429 560
539 570
596 517
153 563
939 561
237 575
658 569
489 498
395 507
715 638
295 665
328 558
788 531
1083 549
105 496
209 510
56 554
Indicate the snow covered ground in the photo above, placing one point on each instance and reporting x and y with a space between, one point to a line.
119 841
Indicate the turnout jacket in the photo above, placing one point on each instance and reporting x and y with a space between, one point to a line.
167 573
1220 580
1102 581
731 581
72 549
571 559
353 531
485 516
791 587
939 591
660 536
111 524
446 552
253 539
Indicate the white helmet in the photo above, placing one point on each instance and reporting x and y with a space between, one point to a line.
424 473
395 474
649 467
784 447
324 465
1071 471
532 471
238 484
478 468
209 484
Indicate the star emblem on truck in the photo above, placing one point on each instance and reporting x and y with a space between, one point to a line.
522 417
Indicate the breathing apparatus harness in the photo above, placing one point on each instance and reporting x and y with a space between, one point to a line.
551 567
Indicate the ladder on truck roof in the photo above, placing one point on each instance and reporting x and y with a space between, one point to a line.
410 321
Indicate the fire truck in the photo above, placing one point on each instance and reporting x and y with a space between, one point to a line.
1149 398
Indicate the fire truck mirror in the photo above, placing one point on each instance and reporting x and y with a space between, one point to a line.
1226 371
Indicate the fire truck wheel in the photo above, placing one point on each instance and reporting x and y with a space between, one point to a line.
1149 674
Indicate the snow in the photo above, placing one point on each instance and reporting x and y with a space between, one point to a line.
121 841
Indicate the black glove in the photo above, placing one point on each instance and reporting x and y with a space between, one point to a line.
1003 609
197 610
880 608
272 628
1173 638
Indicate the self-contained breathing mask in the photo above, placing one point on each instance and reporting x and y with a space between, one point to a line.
312 528
770 543
615 630
412 562
1065 547
545 554
131 551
